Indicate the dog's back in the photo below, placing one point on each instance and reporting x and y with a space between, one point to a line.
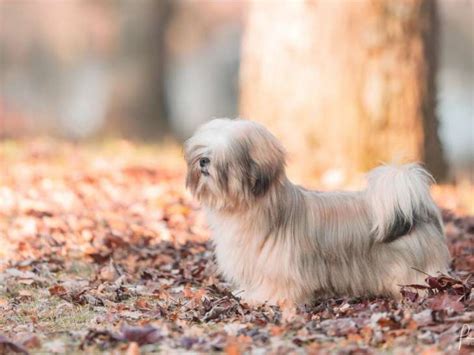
375 240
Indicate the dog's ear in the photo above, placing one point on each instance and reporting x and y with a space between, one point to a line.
267 160
261 179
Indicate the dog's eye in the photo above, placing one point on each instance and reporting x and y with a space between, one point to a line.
203 162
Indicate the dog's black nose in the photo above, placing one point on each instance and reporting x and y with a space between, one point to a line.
203 162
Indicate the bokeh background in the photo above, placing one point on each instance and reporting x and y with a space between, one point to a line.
148 70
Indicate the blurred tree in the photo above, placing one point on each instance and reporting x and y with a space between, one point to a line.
345 84
140 106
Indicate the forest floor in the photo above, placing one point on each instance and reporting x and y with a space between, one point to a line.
102 249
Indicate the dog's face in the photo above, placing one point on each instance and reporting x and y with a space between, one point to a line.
232 163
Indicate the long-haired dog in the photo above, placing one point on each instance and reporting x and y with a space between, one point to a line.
278 241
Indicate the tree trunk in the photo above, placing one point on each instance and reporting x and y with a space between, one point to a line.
143 45
345 84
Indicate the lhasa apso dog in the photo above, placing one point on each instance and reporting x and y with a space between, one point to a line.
276 241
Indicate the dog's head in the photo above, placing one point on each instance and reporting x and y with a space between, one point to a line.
232 163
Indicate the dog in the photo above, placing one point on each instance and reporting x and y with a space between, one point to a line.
276 241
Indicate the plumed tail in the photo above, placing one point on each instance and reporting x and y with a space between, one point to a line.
399 198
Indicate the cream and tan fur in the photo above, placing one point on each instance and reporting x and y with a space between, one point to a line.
278 241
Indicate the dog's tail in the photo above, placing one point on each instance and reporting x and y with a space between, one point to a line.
399 198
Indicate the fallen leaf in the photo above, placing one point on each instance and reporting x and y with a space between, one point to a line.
133 349
8 346
57 290
141 335
444 301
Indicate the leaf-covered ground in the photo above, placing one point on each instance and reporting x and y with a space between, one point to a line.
101 248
